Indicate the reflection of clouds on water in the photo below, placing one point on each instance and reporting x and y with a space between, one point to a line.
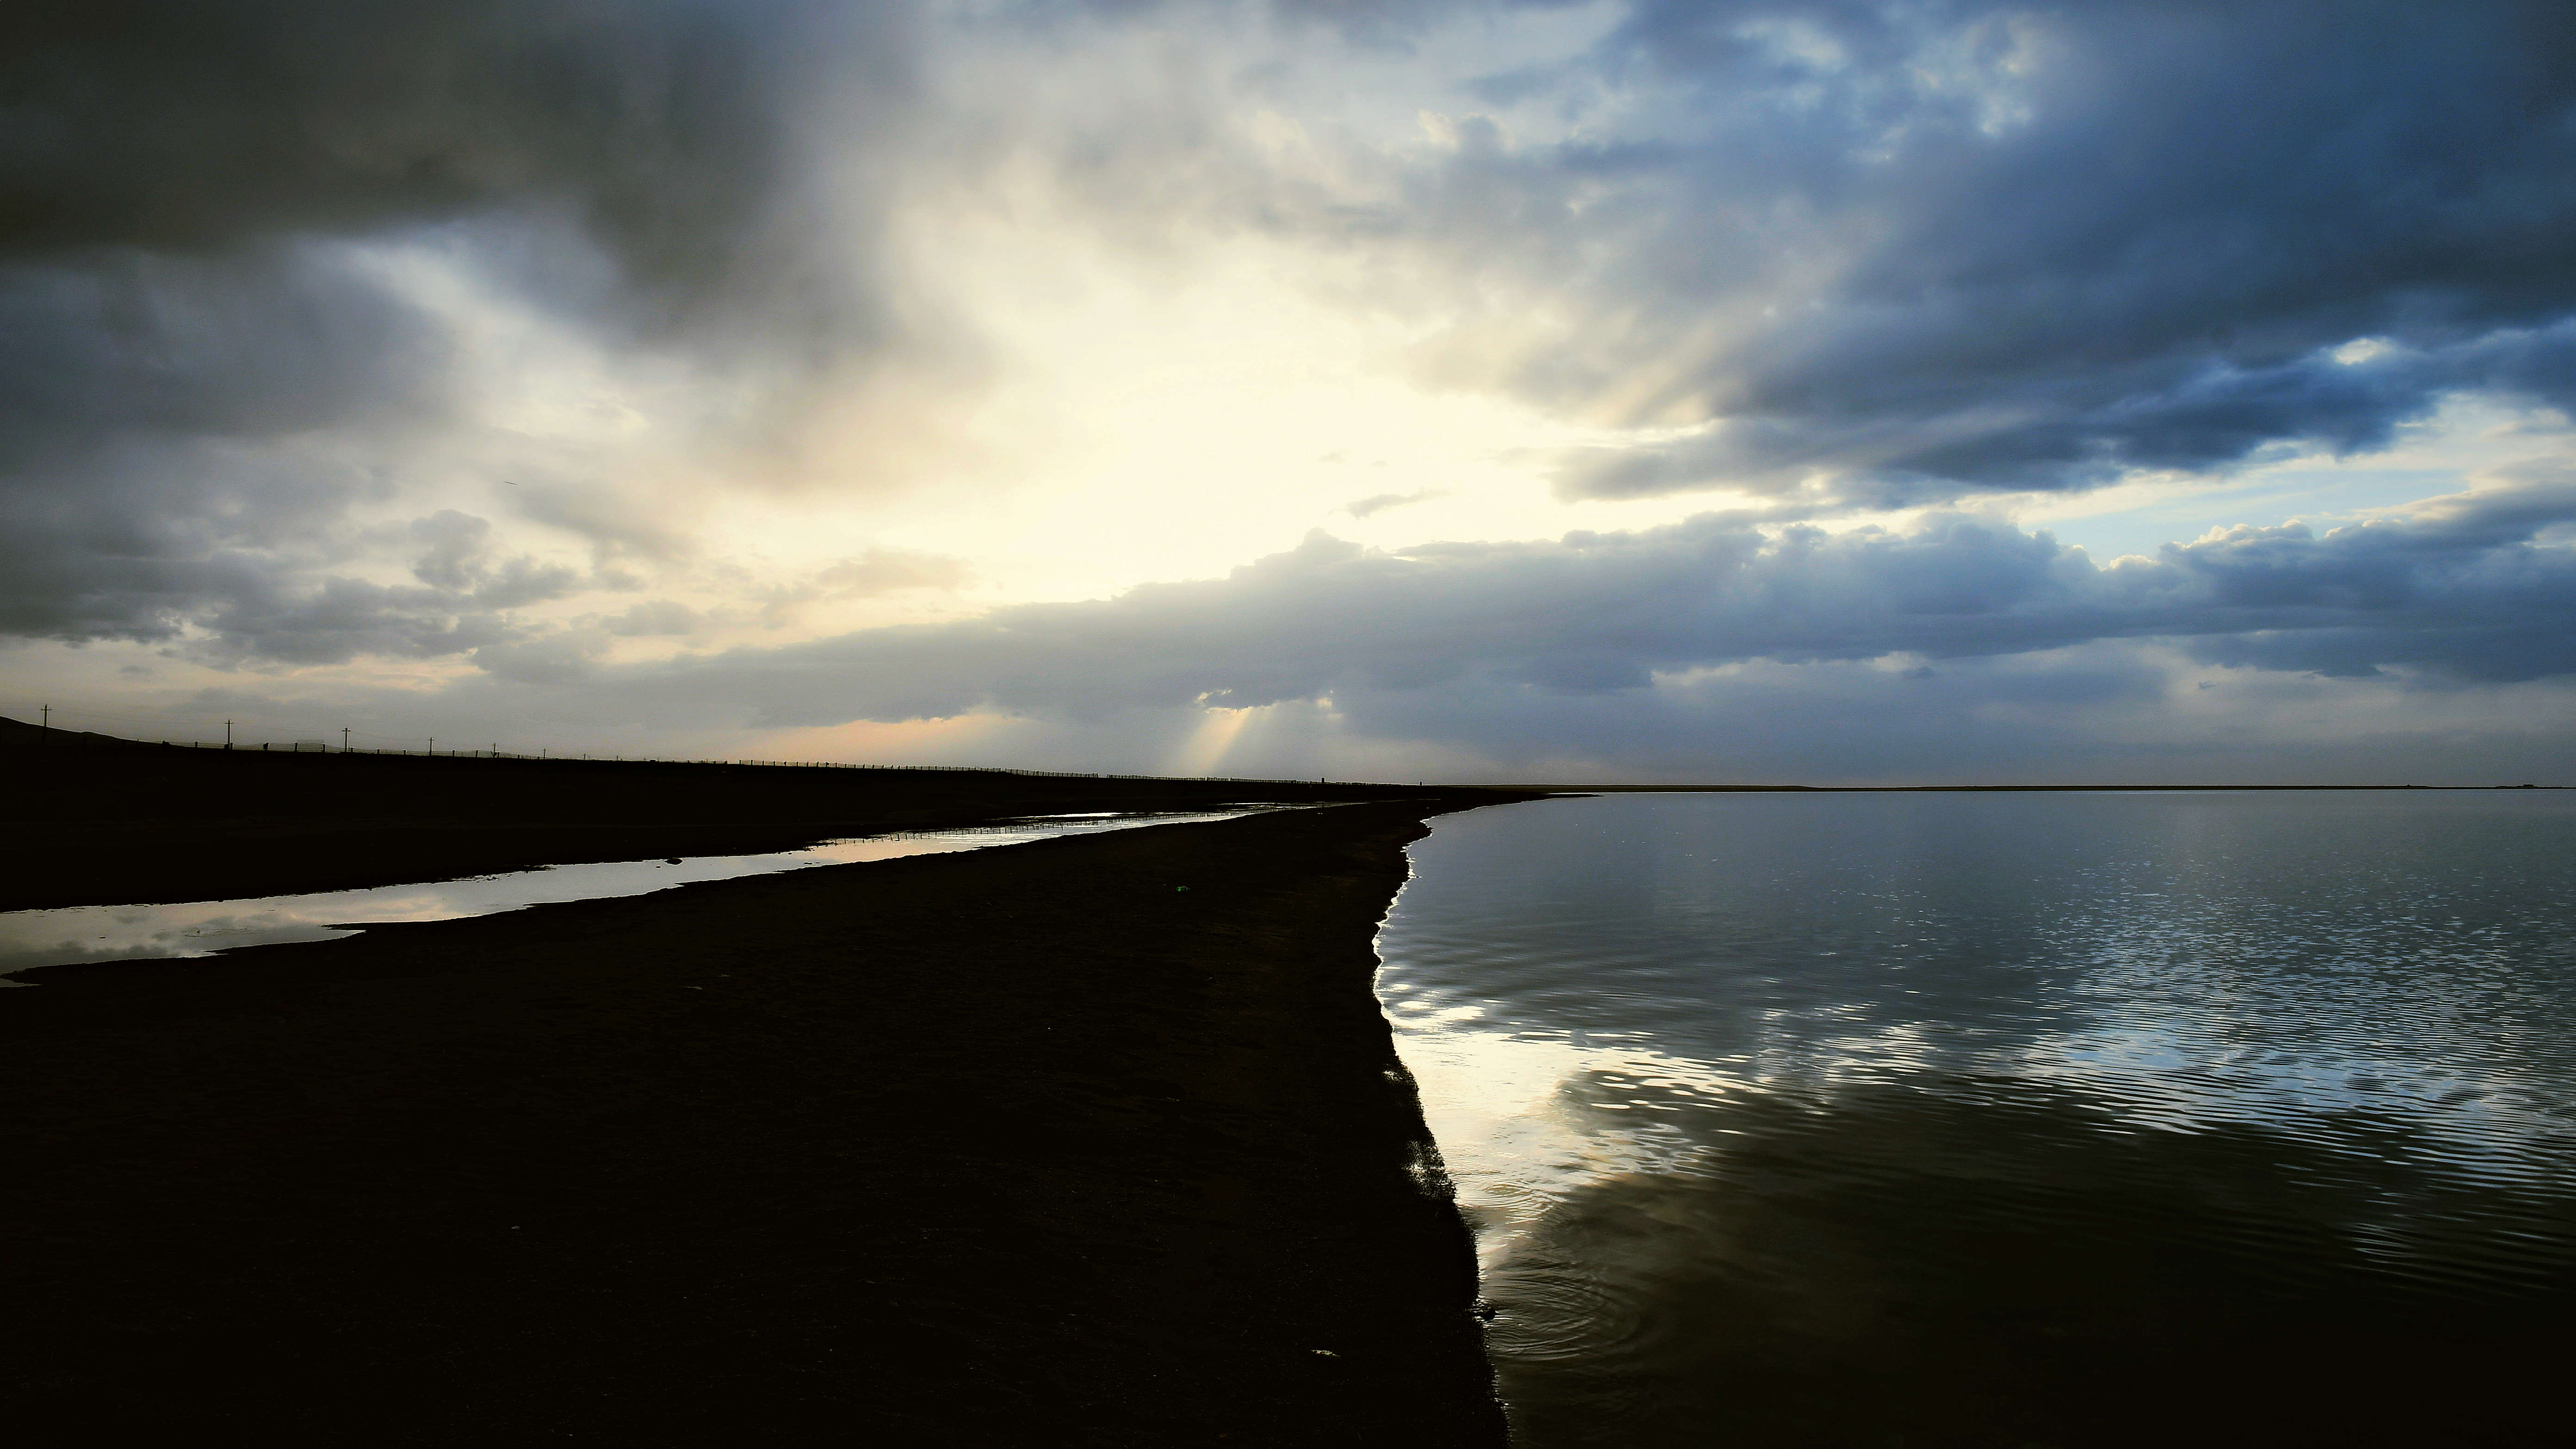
29 939
1815 1259
81 934
1525 1119
1492 1103
1895 1261
1963 1095
2309 960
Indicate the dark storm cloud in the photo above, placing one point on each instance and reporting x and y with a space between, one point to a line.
2461 590
133 342
185 193
198 128
1933 247
279 604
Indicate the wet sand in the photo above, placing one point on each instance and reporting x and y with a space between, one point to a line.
1029 1145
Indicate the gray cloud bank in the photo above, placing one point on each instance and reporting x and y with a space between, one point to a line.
195 353
198 129
2461 591
1888 253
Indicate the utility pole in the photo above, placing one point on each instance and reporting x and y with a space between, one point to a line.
344 739
47 722
228 734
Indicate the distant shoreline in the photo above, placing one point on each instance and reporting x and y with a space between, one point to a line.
1978 789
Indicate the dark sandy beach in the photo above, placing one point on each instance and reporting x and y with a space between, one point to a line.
94 820
1092 1141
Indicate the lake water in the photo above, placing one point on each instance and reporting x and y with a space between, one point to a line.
30 939
2063 1119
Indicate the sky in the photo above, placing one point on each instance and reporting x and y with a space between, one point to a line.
1824 392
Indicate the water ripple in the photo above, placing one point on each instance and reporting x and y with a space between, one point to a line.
1868 1118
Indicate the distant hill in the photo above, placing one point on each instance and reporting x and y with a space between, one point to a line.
19 735
90 819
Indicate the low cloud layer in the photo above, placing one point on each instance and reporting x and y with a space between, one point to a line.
2461 590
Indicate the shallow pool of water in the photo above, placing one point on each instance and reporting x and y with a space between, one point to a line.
31 939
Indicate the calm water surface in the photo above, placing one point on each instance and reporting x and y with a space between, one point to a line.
2014 1120
30 939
